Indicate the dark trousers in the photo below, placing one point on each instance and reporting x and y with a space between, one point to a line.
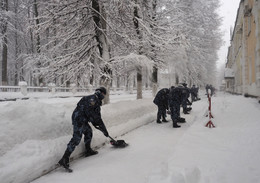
184 105
175 111
193 97
78 131
161 112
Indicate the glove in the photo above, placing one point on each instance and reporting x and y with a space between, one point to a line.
105 132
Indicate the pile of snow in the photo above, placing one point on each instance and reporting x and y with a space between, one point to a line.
34 133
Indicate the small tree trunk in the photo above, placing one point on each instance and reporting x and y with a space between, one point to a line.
155 67
154 80
38 44
103 45
139 83
17 66
176 79
4 62
139 69
4 41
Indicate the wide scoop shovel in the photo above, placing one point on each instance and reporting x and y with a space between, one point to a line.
117 143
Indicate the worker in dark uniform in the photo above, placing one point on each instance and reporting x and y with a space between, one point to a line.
87 110
161 100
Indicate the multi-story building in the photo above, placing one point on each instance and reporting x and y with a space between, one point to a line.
243 61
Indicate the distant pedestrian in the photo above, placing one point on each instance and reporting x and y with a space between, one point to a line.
87 110
197 94
212 90
194 93
207 89
161 100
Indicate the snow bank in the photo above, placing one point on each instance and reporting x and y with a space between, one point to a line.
34 134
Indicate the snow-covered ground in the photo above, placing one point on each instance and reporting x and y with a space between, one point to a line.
34 134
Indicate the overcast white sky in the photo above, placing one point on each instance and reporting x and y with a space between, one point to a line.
228 12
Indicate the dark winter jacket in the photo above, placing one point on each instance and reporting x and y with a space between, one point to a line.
161 98
186 93
193 90
175 96
88 110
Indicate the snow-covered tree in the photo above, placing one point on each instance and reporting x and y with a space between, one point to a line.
201 38
96 42
140 36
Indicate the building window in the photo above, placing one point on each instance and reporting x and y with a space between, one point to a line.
249 20
250 70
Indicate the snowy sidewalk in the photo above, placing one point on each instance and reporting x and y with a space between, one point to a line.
34 134
191 154
149 147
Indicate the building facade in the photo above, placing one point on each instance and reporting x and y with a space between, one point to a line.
243 59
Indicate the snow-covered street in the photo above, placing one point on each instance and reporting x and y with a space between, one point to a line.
157 152
150 146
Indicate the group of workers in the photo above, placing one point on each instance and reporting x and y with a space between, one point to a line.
170 100
88 110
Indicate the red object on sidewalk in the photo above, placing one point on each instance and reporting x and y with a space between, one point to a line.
210 124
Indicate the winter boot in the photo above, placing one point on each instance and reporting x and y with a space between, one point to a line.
175 125
65 160
158 120
185 112
181 120
89 151
164 120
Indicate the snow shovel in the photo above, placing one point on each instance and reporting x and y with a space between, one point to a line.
118 143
